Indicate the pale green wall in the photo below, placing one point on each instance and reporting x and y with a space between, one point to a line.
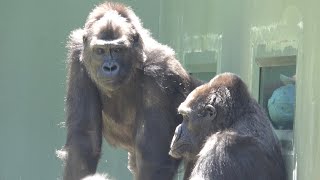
308 96
32 68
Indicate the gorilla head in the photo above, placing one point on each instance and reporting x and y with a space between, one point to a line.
112 47
206 110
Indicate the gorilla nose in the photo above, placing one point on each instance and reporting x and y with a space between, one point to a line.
177 135
178 129
110 68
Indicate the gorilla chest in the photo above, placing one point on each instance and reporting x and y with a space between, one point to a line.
119 124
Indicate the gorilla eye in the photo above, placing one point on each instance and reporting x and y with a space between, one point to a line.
99 51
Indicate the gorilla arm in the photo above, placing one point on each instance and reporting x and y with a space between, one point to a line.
83 111
154 135
164 71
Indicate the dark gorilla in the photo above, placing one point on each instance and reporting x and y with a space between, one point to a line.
125 86
226 133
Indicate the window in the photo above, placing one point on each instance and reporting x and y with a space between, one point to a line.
277 85
201 54
201 65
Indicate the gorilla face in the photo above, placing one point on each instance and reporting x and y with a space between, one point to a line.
198 117
111 51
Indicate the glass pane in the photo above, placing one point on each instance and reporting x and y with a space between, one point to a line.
277 94
277 97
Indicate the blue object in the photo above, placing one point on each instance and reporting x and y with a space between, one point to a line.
281 106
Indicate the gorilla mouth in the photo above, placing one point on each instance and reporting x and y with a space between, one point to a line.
174 154
178 151
114 82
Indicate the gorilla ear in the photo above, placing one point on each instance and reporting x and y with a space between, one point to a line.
84 38
136 39
211 111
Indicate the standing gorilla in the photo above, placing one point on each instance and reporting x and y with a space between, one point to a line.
125 86
226 133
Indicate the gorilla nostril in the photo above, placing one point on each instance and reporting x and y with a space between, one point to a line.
110 68
113 68
106 68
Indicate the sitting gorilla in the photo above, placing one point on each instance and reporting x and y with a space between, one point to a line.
227 134
125 86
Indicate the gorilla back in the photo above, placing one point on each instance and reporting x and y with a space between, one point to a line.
125 86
